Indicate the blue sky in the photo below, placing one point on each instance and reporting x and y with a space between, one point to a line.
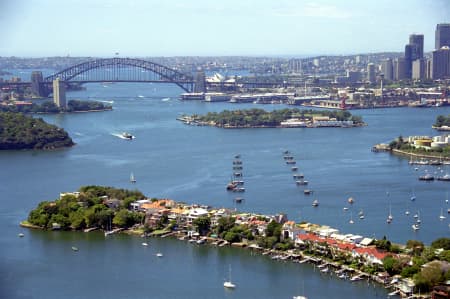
39 28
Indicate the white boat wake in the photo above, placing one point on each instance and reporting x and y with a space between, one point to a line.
121 136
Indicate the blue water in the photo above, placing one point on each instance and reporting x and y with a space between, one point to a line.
193 164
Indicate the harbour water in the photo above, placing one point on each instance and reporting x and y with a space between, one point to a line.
193 164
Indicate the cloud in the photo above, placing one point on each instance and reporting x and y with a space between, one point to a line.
314 10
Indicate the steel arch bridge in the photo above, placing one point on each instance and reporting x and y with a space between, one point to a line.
123 70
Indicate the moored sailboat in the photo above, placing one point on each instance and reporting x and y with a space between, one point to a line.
132 178
228 284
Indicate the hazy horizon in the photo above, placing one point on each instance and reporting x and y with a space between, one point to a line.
265 28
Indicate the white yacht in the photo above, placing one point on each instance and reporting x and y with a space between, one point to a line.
228 284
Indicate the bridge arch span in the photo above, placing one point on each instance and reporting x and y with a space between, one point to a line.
118 65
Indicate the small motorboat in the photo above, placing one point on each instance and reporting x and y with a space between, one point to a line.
126 135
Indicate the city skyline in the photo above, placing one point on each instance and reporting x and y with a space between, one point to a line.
39 28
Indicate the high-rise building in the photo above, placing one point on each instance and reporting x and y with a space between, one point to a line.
416 42
428 68
408 61
418 69
59 93
371 75
442 36
440 63
413 51
387 68
399 69
295 66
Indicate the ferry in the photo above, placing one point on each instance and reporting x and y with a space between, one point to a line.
426 177
445 177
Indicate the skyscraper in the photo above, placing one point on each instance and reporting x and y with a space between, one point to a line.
387 68
413 51
371 76
416 42
442 35
440 65
418 69
399 69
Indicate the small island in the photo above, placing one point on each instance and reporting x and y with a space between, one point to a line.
434 148
406 269
442 123
285 118
18 132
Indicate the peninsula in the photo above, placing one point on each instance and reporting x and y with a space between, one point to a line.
50 107
408 268
285 118
18 131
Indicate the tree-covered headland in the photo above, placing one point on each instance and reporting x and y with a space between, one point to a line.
50 107
18 131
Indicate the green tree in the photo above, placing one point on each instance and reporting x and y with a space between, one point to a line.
123 218
430 275
274 230
392 265
443 243
77 220
415 246
202 224
232 237
162 222
225 224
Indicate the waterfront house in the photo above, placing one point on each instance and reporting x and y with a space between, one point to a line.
179 214
290 230
371 255
280 218
112 203
137 205
75 194
195 213
217 214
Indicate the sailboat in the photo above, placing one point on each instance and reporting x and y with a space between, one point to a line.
413 196
303 291
351 218
415 226
361 214
389 218
417 216
228 284
132 178
442 217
